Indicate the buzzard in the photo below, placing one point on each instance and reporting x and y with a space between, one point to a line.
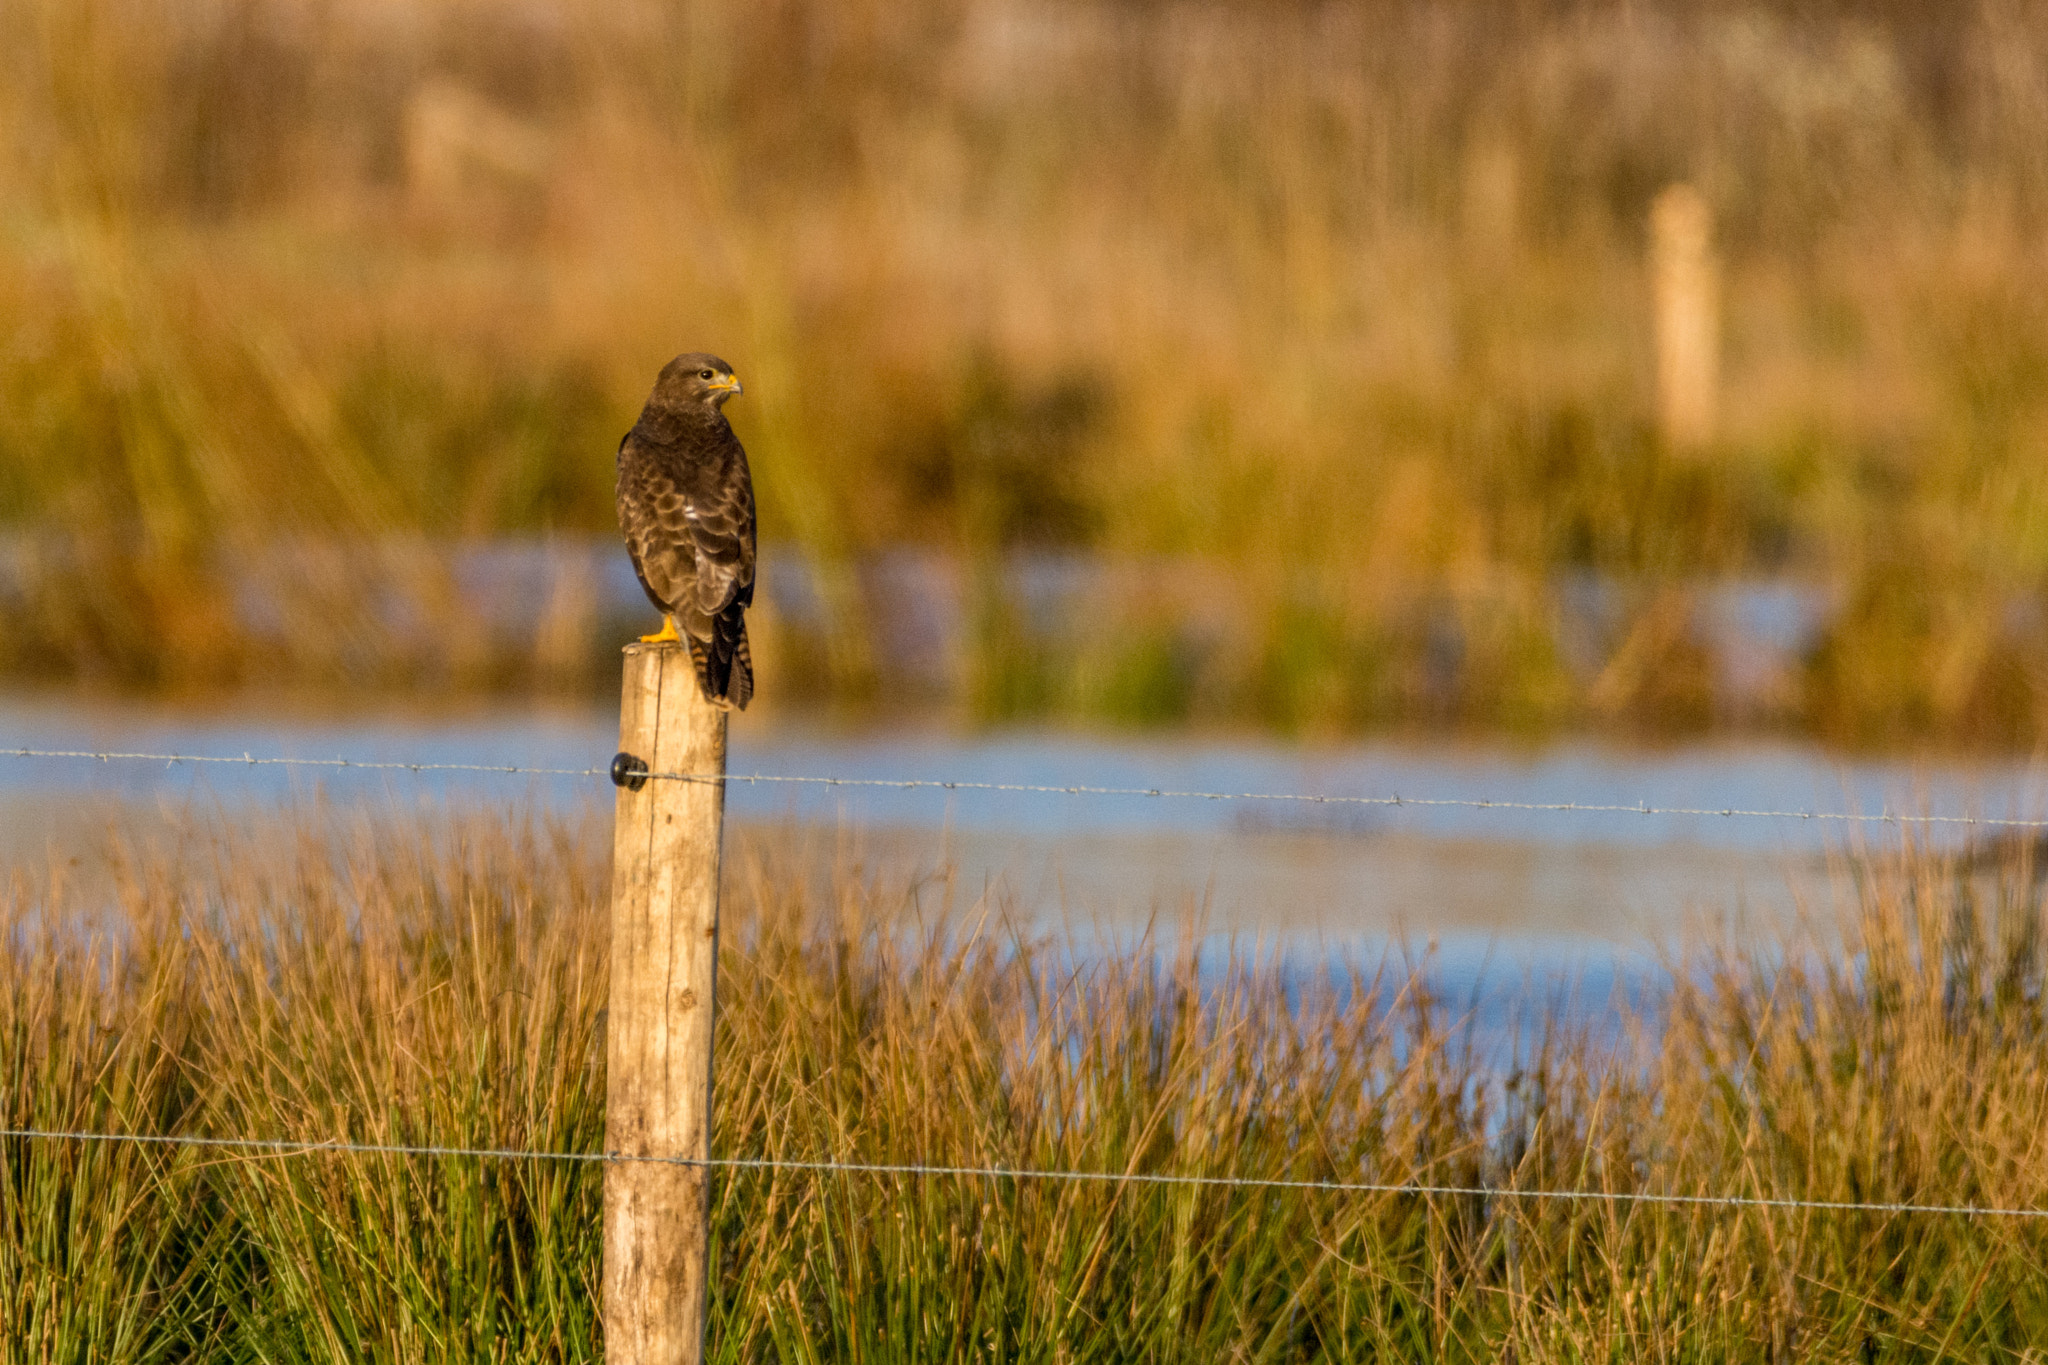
686 504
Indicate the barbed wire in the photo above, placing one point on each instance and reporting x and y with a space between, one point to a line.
295 1147
251 761
1390 800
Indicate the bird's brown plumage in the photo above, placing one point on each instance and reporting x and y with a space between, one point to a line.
686 505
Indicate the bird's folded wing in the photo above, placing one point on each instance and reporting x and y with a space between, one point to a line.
655 520
721 528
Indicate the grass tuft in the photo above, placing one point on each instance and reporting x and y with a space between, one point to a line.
442 983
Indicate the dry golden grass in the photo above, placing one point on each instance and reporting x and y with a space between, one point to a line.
387 980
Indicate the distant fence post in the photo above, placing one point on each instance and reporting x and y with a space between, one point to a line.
664 973
1688 316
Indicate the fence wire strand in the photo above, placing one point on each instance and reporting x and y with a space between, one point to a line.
1390 800
292 1147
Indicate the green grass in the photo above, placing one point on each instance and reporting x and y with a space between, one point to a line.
387 981
1352 296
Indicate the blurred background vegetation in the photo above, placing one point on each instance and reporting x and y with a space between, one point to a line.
1306 350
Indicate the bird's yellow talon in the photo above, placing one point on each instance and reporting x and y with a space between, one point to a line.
668 634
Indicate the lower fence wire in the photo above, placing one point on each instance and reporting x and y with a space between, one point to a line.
288 1147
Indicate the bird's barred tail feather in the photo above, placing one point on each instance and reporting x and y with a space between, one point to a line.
742 689
725 664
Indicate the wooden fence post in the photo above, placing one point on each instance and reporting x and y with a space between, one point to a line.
1687 281
664 974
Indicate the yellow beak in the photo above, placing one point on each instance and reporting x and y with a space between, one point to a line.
727 384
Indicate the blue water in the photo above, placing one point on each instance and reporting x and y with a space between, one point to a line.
917 605
1517 914
1544 880
1787 777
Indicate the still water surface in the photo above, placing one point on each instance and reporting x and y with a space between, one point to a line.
1526 884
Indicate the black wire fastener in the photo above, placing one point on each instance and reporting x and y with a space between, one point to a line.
629 772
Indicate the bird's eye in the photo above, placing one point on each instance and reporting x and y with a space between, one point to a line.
704 374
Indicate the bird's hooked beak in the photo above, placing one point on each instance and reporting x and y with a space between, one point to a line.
727 385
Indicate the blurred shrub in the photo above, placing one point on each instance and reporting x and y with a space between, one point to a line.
1353 287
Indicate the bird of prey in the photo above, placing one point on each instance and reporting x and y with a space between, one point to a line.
686 504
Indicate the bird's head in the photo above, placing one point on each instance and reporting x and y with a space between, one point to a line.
694 381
